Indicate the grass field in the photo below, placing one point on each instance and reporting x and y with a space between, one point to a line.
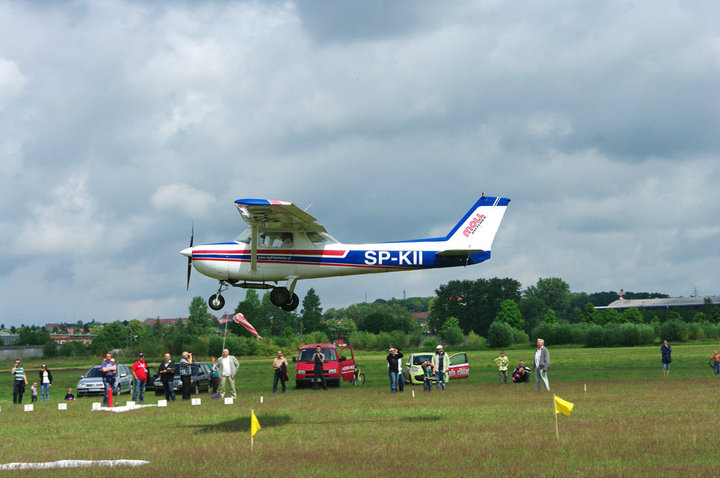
631 422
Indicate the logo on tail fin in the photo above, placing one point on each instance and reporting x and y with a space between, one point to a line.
474 224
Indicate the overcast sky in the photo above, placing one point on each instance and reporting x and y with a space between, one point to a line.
123 121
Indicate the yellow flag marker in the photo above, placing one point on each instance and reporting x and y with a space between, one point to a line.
563 406
255 424
254 427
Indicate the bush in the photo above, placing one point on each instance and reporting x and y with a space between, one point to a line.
520 337
611 335
383 341
695 331
500 334
414 339
594 336
474 339
452 335
73 349
674 330
50 349
361 340
711 331
629 335
647 334
399 339
429 344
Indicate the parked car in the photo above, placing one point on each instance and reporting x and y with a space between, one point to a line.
335 367
151 376
92 383
413 373
199 380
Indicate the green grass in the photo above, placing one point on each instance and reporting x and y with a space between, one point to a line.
631 422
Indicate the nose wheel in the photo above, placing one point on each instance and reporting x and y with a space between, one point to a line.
216 302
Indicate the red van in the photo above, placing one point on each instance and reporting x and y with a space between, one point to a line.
339 363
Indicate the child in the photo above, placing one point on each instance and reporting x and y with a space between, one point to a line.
33 392
69 396
428 375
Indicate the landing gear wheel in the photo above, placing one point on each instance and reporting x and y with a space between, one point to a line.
280 296
216 302
294 302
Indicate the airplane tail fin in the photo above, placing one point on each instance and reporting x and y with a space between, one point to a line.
476 230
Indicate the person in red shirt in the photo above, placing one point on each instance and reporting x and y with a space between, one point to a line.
140 374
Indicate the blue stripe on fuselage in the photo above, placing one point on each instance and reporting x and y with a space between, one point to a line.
410 259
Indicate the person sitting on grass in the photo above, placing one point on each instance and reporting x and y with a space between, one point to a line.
69 397
521 373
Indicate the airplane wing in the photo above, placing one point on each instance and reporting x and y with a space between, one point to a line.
268 215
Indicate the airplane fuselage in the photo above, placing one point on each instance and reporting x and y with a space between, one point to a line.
232 261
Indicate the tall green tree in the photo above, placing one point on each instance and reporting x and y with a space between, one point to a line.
474 303
199 318
510 314
553 291
311 314
589 315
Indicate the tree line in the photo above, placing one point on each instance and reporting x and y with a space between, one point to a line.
496 312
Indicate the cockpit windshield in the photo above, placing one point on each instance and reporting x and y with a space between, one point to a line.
245 236
321 238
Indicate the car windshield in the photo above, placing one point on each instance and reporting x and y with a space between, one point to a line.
419 359
94 372
306 355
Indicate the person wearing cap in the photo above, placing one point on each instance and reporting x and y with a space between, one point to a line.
140 373
394 368
441 364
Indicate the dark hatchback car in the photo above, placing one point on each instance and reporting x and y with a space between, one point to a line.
199 380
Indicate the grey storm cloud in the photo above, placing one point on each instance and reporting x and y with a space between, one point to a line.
123 122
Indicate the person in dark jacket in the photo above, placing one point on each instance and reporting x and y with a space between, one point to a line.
318 374
166 370
45 383
666 352
394 368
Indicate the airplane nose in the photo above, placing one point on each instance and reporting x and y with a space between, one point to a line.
187 252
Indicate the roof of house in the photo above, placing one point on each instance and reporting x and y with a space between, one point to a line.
667 302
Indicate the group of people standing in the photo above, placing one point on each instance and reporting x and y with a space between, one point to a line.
435 369
20 381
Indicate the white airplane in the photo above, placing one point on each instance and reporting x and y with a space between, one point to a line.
285 244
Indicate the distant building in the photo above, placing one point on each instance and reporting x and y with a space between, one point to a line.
65 338
151 322
694 303
422 318
8 339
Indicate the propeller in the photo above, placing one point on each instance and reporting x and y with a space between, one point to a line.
192 237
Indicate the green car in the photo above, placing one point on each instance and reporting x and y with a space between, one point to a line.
413 373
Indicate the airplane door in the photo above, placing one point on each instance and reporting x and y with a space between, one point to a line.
347 366
459 366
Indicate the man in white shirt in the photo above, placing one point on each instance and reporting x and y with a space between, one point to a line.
542 362
227 367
